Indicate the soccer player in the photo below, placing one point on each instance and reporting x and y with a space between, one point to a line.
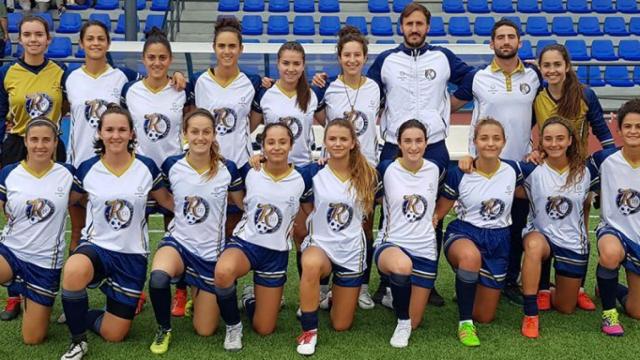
339 200
115 242
477 242
261 240
619 230
406 249
32 247
200 180
558 225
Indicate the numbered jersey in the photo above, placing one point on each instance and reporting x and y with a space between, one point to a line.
36 210
409 200
200 204
117 202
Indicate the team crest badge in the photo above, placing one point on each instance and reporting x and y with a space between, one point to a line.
38 104
268 218
93 109
225 119
359 121
293 124
414 207
628 201
195 209
525 88
430 74
39 210
118 213
492 209
558 207
156 126
339 216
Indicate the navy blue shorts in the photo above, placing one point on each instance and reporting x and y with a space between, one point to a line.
36 283
197 271
568 263
493 244
269 266
631 249
436 152
345 277
424 270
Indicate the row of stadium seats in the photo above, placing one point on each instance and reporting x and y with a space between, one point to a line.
156 5
305 6
535 6
617 76
70 23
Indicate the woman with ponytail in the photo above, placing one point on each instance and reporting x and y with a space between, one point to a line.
200 180
340 198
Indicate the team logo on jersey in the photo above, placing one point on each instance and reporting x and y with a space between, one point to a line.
39 210
156 126
430 74
492 209
628 201
225 119
118 213
359 121
339 216
38 104
525 88
195 209
414 207
93 109
558 207
294 125
268 218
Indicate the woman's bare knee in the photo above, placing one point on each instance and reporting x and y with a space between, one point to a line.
264 329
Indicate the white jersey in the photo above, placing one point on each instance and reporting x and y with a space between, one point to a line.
336 99
555 211
619 184
507 98
270 206
230 106
276 106
117 203
200 205
36 210
409 200
483 200
157 118
335 225
88 95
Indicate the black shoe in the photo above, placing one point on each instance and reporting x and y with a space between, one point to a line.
378 295
435 299
11 310
513 294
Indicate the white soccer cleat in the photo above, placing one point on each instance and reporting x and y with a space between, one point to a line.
387 299
76 351
307 342
61 319
233 337
364 299
401 334
325 297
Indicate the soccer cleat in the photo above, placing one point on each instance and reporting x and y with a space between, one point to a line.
585 302
610 323
364 299
307 342
401 334
468 335
179 303
325 297
299 313
247 294
61 319
76 351
188 308
544 300
513 294
233 337
387 299
378 295
530 326
12 309
141 300
435 298
161 342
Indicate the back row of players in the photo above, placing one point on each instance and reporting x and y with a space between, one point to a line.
477 244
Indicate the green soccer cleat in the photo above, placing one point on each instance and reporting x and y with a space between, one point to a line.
188 308
161 342
468 335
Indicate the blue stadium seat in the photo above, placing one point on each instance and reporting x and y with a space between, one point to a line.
483 25
7 48
141 4
106 4
329 25
60 47
277 41
553 6
603 50
13 22
19 51
304 25
74 7
153 21
528 6
602 6
46 17
578 6
120 29
525 52
229 5
629 50
537 26
385 41
452 6
332 70
329 41
278 25
305 41
103 18
577 49
439 42
252 25
617 76
358 21
381 26
465 41
502 6
250 40
253 5
563 26
304 6
278 5
543 44
79 53
515 20
589 26
70 23
590 75
615 26
636 75
627 6
399 5
436 28
634 25
160 5
329 6
478 6
378 6
459 26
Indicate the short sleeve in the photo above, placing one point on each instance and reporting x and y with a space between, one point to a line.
75 186
130 74
465 90
156 174
516 169
381 169
255 105
82 172
308 172
123 95
237 183
243 171
450 189
526 168
4 173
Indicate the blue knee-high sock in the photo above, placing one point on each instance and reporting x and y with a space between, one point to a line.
299 263
309 320
181 284
401 291
228 304
76 305
160 294
466 292
369 260
607 284
530 305
94 320
545 274
250 308
621 294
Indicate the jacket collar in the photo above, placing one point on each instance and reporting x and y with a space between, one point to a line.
415 51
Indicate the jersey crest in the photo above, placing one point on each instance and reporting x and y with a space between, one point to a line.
225 120
268 218
558 207
39 210
359 121
339 216
492 209
93 109
414 207
38 104
628 201
293 124
156 126
119 213
195 209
